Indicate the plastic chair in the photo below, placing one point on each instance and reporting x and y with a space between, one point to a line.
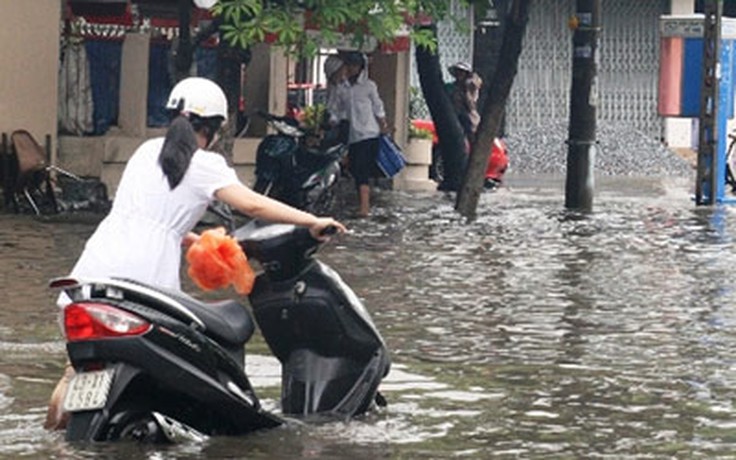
26 172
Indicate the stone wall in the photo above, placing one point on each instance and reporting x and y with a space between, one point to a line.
29 83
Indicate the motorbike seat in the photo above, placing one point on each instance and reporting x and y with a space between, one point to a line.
226 321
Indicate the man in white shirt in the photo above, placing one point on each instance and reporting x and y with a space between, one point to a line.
364 110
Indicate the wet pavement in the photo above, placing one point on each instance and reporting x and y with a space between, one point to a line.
532 333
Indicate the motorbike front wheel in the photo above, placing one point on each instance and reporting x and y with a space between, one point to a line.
322 205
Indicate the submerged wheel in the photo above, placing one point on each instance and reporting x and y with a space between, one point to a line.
133 424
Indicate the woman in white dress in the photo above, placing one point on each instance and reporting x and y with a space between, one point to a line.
164 191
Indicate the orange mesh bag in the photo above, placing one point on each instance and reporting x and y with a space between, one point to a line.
216 260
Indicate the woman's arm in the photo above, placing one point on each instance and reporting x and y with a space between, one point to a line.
260 206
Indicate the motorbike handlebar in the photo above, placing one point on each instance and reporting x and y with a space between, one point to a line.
329 231
285 125
271 117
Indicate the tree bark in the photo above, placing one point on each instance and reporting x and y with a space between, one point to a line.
450 133
494 108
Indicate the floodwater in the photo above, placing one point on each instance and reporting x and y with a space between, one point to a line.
532 333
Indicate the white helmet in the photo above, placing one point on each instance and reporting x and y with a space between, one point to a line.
199 96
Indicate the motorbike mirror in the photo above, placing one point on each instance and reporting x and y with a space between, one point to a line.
287 128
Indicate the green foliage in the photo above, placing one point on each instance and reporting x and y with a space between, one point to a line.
313 116
247 22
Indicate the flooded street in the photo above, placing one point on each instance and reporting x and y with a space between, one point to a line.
531 333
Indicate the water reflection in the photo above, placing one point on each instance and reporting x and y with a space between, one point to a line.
531 333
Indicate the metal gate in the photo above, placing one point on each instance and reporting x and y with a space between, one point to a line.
628 65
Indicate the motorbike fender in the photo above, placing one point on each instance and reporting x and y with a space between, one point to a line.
332 355
323 178
274 155
216 387
92 425
336 387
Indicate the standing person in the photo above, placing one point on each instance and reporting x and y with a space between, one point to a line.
464 92
336 100
367 119
164 191
334 68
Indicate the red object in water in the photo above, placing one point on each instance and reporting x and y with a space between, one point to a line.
498 161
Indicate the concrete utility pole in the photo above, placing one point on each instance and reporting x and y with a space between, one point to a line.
710 176
579 185
184 52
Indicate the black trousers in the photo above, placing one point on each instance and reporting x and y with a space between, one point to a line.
362 156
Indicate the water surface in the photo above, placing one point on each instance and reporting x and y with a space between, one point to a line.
531 333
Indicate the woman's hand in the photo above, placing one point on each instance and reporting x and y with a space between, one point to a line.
323 223
189 239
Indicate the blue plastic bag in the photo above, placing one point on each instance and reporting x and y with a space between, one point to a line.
390 159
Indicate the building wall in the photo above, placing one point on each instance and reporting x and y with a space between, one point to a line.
265 88
29 81
678 132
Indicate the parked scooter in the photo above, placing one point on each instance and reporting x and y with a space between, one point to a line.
498 160
157 365
299 167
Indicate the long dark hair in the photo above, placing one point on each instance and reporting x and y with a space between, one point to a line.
181 143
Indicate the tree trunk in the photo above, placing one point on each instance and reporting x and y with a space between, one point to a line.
450 133
493 108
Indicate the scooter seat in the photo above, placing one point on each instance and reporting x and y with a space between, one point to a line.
227 321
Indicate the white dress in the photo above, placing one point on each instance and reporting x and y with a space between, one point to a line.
141 237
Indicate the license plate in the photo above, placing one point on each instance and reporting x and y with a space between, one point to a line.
88 390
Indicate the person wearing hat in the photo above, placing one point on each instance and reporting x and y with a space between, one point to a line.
464 93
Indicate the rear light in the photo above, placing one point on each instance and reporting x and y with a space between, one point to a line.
88 321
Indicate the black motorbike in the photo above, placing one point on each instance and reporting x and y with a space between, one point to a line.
157 365
300 167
